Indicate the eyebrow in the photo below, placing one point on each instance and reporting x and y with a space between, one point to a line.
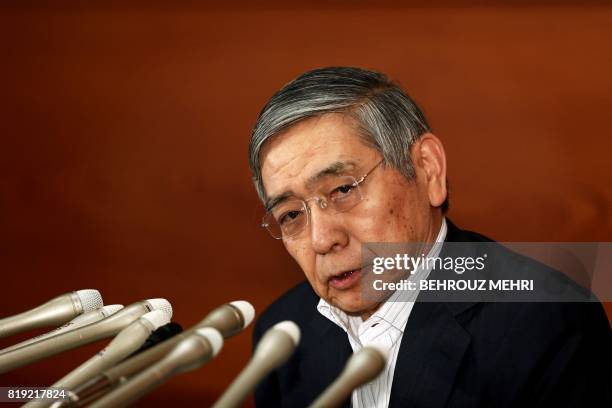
276 200
334 169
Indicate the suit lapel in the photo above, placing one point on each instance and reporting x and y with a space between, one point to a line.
330 352
432 347
431 351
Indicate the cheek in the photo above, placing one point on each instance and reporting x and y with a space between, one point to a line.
304 256
393 219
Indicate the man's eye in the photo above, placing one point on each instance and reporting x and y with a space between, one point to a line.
342 191
289 217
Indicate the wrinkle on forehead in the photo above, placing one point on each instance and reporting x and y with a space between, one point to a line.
292 157
281 159
333 124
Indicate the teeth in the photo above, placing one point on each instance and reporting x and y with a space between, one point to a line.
343 275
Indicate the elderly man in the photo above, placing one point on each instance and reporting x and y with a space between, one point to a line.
342 157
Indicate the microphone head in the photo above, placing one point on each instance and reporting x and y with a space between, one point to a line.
291 329
90 299
157 318
273 349
229 318
161 304
365 365
191 352
384 352
246 310
110 309
214 338
277 344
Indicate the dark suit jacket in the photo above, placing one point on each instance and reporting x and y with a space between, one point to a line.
462 354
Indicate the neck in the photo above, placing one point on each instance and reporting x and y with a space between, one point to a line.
434 225
366 315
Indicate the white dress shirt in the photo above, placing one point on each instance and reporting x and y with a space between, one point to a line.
384 328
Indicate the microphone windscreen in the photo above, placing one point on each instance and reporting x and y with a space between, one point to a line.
246 310
156 318
214 337
110 309
161 304
90 299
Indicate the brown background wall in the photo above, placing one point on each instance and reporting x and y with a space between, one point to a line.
125 128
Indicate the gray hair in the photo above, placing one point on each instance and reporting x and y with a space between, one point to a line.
386 116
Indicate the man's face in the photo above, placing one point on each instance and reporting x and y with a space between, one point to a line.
393 209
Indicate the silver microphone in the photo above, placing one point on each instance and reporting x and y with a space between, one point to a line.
52 313
127 341
79 321
363 366
229 319
192 352
274 349
107 327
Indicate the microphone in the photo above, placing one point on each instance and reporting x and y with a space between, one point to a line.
192 352
274 349
107 327
79 321
52 313
229 319
162 333
128 340
363 366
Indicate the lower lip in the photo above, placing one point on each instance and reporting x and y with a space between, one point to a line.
345 282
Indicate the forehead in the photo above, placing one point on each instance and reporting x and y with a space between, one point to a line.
303 150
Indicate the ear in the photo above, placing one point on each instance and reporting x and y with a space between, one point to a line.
429 161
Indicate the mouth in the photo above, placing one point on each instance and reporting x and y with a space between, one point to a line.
345 280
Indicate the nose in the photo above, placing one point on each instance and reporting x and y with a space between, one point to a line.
326 230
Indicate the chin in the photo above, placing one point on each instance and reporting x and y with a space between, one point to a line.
353 305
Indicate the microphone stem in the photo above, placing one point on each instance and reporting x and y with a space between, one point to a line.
334 396
188 355
53 313
49 347
135 364
125 343
134 389
235 395
128 367
75 338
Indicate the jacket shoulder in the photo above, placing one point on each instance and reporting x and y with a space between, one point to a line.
297 304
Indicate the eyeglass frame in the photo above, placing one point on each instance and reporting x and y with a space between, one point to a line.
321 202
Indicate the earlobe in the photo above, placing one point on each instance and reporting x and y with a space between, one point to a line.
432 160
